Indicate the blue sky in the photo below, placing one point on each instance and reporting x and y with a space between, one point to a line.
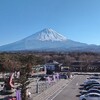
78 20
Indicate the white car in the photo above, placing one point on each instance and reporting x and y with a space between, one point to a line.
90 96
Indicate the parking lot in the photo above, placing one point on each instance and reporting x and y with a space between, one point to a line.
70 92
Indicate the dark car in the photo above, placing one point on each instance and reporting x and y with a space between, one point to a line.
89 87
63 76
90 91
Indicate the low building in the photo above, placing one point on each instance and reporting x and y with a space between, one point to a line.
52 66
38 70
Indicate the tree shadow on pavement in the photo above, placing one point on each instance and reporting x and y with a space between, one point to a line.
78 95
81 88
2 93
81 84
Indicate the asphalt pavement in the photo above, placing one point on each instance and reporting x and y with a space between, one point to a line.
71 91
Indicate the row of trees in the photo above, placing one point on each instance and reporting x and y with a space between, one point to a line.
14 61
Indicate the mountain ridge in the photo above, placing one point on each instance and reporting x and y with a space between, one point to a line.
48 39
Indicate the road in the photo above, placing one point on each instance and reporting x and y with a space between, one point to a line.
71 91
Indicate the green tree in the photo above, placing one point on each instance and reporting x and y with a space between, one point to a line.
24 82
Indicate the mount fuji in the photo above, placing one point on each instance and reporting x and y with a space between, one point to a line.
48 40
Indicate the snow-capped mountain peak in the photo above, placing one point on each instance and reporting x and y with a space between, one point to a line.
48 40
48 34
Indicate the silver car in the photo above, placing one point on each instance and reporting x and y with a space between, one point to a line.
90 96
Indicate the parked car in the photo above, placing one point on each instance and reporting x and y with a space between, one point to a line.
63 76
90 91
94 77
96 87
85 86
91 86
90 96
90 82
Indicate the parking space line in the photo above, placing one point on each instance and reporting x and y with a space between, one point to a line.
60 90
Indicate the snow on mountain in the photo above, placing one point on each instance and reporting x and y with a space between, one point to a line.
47 34
48 40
